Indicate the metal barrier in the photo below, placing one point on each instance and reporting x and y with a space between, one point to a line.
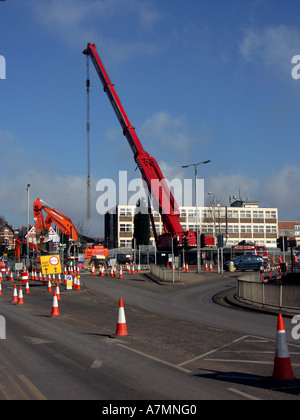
275 295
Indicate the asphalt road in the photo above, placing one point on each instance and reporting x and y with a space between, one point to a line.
181 344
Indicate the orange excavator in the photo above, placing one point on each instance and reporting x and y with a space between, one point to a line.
18 242
42 224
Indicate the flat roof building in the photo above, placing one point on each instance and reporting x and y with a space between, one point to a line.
242 220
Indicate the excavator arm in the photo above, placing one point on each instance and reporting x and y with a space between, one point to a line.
42 225
151 173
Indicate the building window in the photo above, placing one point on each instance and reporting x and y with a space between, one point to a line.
271 214
246 229
258 214
258 229
125 227
126 211
271 229
232 214
245 214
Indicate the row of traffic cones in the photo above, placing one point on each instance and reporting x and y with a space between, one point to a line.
19 299
113 270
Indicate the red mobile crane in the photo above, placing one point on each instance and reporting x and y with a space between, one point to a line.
148 166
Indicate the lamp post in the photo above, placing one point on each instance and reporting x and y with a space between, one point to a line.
27 256
196 200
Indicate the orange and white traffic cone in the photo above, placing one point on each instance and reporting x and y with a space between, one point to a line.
11 276
27 291
76 285
0 288
186 268
57 291
282 363
121 325
93 270
210 266
49 286
138 268
112 272
15 295
121 273
55 309
20 298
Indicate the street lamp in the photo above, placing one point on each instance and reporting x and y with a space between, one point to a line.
27 259
196 200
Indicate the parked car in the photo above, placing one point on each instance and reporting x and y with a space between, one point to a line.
247 262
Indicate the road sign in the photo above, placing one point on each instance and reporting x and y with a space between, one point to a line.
50 264
69 282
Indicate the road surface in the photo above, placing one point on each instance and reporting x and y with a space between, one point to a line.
181 345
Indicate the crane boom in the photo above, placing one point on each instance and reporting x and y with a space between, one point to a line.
151 173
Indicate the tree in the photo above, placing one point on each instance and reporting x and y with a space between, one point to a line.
141 224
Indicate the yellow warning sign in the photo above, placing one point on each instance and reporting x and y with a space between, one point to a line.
50 264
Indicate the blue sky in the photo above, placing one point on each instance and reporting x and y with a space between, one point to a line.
199 79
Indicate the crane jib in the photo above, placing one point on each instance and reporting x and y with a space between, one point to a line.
148 166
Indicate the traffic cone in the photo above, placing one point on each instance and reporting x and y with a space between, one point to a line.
55 309
186 268
121 273
78 283
20 298
27 288
112 272
57 291
210 266
0 289
49 286
11 276
93 270
282 363
15 295
121 325
138 268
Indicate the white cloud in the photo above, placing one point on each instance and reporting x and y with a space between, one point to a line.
274 46
276 190
80 21
170 135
